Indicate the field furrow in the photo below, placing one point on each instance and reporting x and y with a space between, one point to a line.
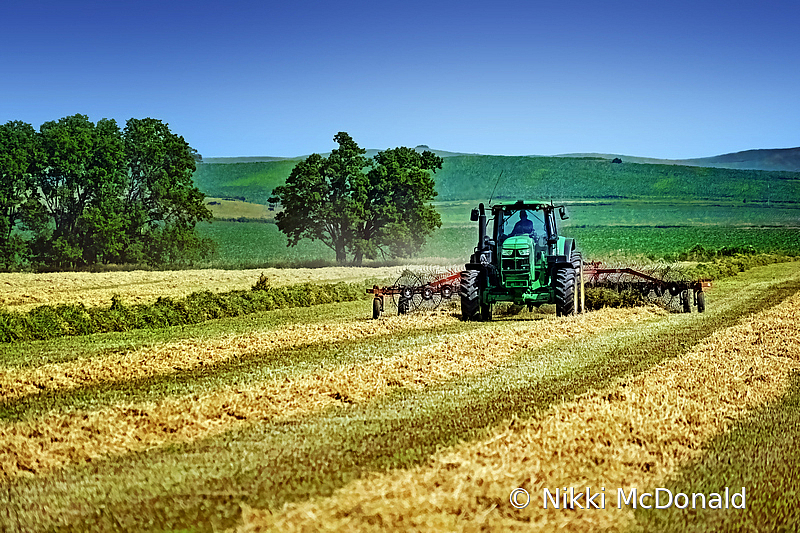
635 433
417 422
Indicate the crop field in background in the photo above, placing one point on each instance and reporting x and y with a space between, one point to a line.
467 176
251 244
320 418
611 230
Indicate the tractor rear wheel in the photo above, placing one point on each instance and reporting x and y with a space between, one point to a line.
565 291
470 295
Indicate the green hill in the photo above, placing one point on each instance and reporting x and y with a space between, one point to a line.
781 159
250 181
473 177
774 159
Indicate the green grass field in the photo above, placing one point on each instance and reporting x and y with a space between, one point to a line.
613 230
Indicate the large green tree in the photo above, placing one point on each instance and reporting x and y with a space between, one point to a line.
80 183
19 155
161 203
90 193
359 207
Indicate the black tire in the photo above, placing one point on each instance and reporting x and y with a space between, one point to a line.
577 266
701 302
376 308
470 295
687 303
403 306
486 312
565 291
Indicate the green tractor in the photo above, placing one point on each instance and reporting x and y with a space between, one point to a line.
523 261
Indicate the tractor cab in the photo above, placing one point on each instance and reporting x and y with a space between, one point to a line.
521 234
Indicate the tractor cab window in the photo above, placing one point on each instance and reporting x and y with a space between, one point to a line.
522 222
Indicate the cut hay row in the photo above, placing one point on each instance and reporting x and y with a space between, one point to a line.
169 358
61 438
20 291
636 433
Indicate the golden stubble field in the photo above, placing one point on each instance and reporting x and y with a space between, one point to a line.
635 432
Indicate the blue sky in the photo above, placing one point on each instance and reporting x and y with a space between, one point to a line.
660 79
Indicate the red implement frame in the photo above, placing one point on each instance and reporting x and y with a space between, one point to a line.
596 275
443 286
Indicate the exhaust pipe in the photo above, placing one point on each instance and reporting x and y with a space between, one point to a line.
481 227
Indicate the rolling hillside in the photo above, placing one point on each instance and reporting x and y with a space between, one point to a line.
780 159
473 176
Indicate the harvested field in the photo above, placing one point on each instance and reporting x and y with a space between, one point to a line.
420 422
634 434
51 441
24 291
176 357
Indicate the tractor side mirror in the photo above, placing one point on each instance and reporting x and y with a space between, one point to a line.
563 213
474 216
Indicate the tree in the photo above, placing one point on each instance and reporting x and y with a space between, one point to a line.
161 203
19 153
399 216
80 182
359 207
89 193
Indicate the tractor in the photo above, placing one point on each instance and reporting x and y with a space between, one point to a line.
523 261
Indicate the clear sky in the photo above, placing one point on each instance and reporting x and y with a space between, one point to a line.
670 79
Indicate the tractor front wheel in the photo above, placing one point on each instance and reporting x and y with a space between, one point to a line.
470 295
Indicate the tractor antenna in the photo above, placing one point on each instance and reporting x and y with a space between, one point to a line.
495 188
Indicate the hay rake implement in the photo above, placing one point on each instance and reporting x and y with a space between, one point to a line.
525 262
416 290
663 284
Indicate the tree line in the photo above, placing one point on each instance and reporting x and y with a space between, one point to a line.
76 193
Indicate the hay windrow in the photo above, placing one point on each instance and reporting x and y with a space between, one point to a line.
169 358
633 434
58 439
24 291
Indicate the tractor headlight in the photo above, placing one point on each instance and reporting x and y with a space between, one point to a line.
525 251
508 252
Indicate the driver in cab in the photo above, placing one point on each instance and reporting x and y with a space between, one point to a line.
524 226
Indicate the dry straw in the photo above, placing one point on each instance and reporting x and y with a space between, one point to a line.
168 358
633 434
57 439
